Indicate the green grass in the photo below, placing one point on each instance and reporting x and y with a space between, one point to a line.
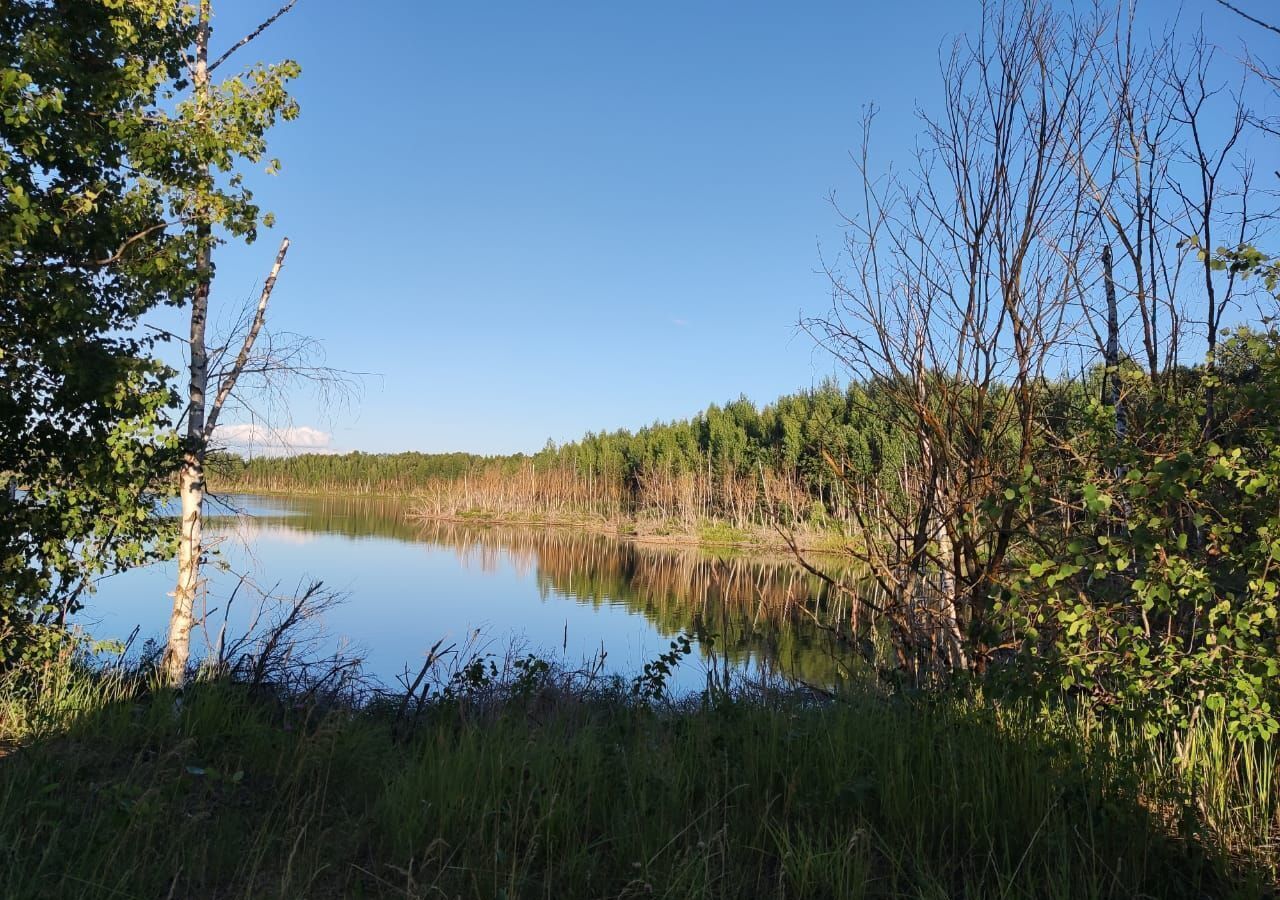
717 532
112 789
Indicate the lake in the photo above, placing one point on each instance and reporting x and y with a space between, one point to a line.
562 593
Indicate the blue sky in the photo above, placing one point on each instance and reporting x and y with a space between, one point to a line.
530 220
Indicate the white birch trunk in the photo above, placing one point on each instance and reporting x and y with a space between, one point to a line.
191 475
201 415
190 546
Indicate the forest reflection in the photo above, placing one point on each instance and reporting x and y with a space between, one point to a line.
755 613
759 611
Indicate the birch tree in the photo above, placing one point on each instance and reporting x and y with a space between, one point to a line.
221 126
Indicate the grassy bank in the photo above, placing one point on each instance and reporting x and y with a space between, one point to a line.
535 785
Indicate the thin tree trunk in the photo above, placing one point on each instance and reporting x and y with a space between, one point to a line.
182 619
1111 380
191 474
948 600
242 358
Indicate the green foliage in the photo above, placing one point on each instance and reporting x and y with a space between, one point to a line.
651 683
114 178
721 533
209 135
1161 598
1245 260
84 252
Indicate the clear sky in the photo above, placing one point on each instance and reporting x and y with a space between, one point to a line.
530 220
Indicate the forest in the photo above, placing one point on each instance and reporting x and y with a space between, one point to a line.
733 463
1049 471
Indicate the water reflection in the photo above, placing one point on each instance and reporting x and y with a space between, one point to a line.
356 517
410 583
759 610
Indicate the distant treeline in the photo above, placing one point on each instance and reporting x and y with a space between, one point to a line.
359 472
737 462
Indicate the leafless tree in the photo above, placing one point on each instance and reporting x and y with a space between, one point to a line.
255 380
1215 198
251 367
954 297
1049 212
1124 165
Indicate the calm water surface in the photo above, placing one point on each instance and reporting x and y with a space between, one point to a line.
559 592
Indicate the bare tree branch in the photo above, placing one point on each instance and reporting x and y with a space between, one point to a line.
1244 15
228 383
251 35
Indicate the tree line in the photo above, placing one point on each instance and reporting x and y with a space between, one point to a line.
736 461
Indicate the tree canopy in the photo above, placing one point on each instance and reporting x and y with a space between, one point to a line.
85 251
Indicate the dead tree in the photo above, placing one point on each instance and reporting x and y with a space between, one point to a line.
953 297
191 485
1124 163
259 366
1215 191
1054 196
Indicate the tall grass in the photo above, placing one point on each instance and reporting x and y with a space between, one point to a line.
537 785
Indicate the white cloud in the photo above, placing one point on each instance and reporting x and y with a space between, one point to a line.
275 441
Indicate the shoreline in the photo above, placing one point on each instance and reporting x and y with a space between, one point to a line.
754 540
641 530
